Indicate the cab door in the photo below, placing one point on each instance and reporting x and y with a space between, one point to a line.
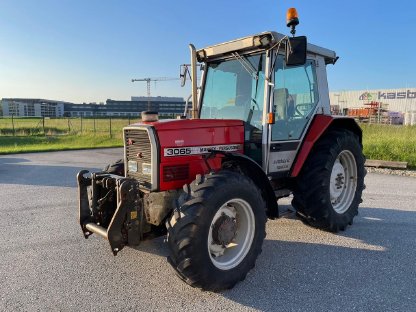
293 101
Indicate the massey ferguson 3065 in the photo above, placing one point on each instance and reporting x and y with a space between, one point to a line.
260 129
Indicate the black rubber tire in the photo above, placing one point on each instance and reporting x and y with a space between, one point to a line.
189 227
311 196
116 168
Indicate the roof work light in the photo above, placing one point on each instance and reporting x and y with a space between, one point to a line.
292 19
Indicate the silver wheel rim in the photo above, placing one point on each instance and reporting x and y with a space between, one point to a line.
226 257
343 181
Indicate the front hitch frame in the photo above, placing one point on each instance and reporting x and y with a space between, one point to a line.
125 225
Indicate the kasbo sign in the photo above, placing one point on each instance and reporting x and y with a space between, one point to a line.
367 96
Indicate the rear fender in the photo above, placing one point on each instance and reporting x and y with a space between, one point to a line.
320 125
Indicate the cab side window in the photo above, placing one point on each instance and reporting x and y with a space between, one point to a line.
295 97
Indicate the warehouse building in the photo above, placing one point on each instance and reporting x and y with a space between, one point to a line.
165 106
396 100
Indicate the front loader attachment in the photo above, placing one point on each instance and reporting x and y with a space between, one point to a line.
112 207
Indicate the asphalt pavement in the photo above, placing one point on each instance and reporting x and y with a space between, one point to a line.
46 264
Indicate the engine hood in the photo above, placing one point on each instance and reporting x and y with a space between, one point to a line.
177 124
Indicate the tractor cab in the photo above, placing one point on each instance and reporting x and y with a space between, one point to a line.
274 83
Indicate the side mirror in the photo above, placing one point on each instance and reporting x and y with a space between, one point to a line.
296 51
183 72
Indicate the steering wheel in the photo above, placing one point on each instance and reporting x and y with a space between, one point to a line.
248 109
297 111
306 109
255 103
247 101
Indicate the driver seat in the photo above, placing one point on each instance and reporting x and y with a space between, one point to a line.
280 103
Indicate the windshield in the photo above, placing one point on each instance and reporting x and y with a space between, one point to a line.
234 89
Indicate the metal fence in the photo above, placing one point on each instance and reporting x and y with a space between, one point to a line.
25 126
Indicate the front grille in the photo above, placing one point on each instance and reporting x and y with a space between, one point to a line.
138 149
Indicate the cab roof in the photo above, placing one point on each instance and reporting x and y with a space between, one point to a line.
261 41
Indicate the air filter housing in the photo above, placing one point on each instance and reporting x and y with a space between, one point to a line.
150 116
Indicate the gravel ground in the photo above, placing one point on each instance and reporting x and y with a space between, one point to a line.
46 264
405 173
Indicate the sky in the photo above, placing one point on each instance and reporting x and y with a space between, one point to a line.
89 50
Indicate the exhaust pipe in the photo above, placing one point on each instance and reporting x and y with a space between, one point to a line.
194 82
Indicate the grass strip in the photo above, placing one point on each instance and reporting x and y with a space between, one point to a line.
383 142
14 145
390 142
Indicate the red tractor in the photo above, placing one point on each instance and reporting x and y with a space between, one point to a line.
260 130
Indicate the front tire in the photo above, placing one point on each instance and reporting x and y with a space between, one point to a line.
217 234
329 187
116 168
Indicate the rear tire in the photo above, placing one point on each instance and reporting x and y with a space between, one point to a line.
217 234
331 182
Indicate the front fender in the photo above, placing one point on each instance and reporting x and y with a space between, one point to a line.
251 169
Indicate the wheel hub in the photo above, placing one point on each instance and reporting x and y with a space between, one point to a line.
231 233
337 179
343 181
224 230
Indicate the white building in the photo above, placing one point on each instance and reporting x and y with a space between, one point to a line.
32 107
399 100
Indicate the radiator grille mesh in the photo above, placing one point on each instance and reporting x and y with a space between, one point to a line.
138 149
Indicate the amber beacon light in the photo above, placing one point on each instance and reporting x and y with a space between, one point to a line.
292 19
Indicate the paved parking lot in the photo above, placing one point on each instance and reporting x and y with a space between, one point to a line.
46 264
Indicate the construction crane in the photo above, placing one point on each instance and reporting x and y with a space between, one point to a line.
148 80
